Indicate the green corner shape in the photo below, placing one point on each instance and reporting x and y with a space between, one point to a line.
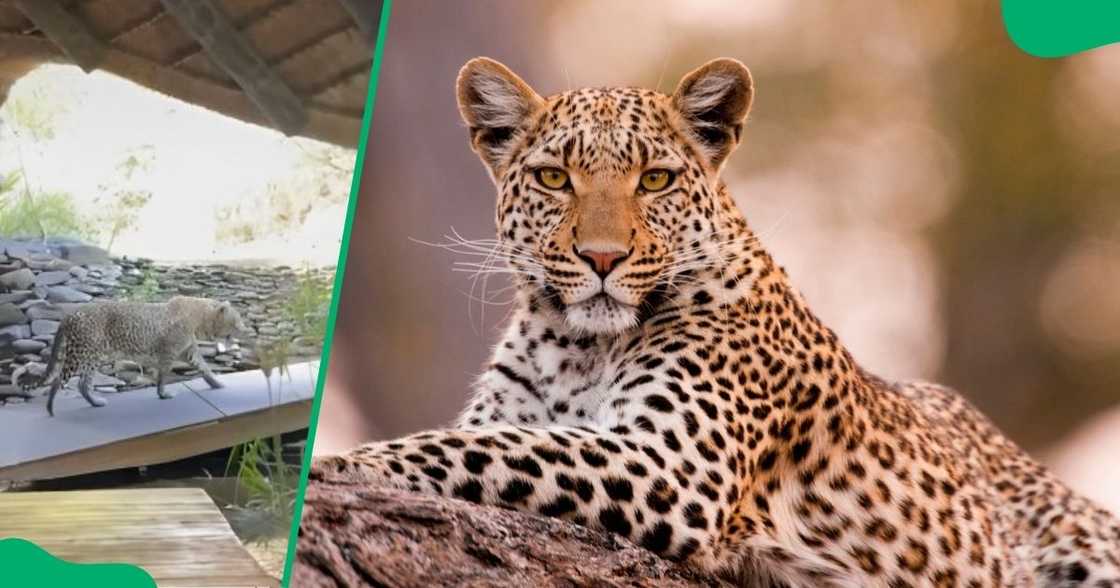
1059 28
27 565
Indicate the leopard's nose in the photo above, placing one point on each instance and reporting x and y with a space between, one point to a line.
602 261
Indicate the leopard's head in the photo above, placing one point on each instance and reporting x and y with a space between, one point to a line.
228 323
607 197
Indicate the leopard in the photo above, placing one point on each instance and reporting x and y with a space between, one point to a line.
660 378
155 333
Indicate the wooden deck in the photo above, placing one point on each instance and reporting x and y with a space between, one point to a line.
177 535
137 428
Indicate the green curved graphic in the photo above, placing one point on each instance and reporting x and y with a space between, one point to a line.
26 565
1058 28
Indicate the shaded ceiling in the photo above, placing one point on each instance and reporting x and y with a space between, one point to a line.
299 66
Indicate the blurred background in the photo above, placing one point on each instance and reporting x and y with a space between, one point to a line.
948 204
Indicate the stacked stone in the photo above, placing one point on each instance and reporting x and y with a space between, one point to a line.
42 281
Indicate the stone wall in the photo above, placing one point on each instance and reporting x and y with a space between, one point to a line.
40 282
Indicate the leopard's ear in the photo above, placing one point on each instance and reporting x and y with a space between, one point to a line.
494 103
714 100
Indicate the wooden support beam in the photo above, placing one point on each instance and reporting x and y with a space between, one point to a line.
367 14
65 30
208 24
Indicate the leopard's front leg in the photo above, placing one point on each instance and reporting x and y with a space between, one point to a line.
194 357
626 484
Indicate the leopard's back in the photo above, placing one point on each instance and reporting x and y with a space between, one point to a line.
1069 539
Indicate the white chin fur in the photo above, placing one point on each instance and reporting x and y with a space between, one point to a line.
601 315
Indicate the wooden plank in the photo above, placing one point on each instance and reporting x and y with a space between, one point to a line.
367 14
289 28
137 414
317 67
77 425
167 445
65 30
207 23
144 527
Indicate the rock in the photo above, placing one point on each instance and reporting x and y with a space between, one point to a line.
18 251
88 288
43 311
79 272
84 255
181 365
8 392
44 327
135 379
101 380
16 297
68 307
28 346
49 264
21 279
67 294
10 314
35 368
51 278
355 535
16 332
122 365
190 289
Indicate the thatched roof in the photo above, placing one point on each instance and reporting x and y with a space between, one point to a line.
299 66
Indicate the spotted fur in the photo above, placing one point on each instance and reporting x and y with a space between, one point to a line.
690 400
154 333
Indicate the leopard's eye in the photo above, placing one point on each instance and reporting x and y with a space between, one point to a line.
553 178
656 180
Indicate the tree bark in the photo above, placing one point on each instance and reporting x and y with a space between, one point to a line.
359 536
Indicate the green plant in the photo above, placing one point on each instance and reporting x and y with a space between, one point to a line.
309 304
146 291
269 482
8 184
31 119
120 199
42 214
274 355
35 114
319 178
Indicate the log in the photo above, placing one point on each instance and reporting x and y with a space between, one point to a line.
360 536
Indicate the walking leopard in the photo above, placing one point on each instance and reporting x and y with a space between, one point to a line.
660 377
156 333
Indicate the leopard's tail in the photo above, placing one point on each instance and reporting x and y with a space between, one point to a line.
54 364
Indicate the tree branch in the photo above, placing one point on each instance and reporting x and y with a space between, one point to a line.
359 536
